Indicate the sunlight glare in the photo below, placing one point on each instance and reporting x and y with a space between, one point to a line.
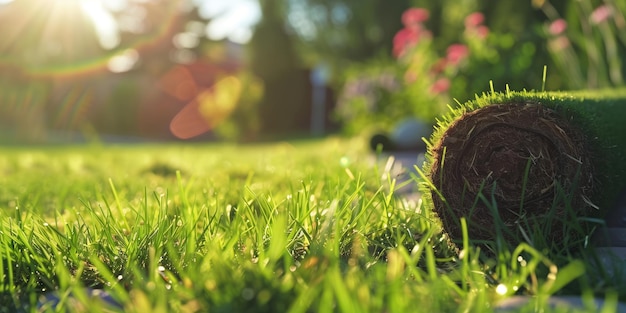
231 20
501 289
124 61
208 109
217 103
104 23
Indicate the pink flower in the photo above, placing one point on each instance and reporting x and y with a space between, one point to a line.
441 85
559 43
474 20
600 14
406 38
414 16
557 27
402 40
482 31
456 53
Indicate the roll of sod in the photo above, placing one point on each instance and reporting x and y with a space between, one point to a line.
527 166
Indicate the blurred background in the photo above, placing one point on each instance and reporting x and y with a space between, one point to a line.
251 70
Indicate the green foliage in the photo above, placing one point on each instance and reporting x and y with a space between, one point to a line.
272 51
347 31
368 101
273 59
433 66
585 40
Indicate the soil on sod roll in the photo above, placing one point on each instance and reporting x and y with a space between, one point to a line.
519 165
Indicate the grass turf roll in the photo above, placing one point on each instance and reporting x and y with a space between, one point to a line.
527 166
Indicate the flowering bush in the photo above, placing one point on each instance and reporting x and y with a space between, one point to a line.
366 100
431 71
438 59
433 75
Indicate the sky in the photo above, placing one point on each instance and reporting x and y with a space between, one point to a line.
233 18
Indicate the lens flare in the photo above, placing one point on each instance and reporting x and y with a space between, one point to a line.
208 109
179 83
56 65
45 38
215 106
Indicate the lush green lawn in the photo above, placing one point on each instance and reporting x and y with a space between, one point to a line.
300 227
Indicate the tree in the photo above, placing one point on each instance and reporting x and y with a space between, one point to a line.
344 31
274 60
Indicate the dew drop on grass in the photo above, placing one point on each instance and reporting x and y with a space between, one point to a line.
344 161
501 289
415 249
120 277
